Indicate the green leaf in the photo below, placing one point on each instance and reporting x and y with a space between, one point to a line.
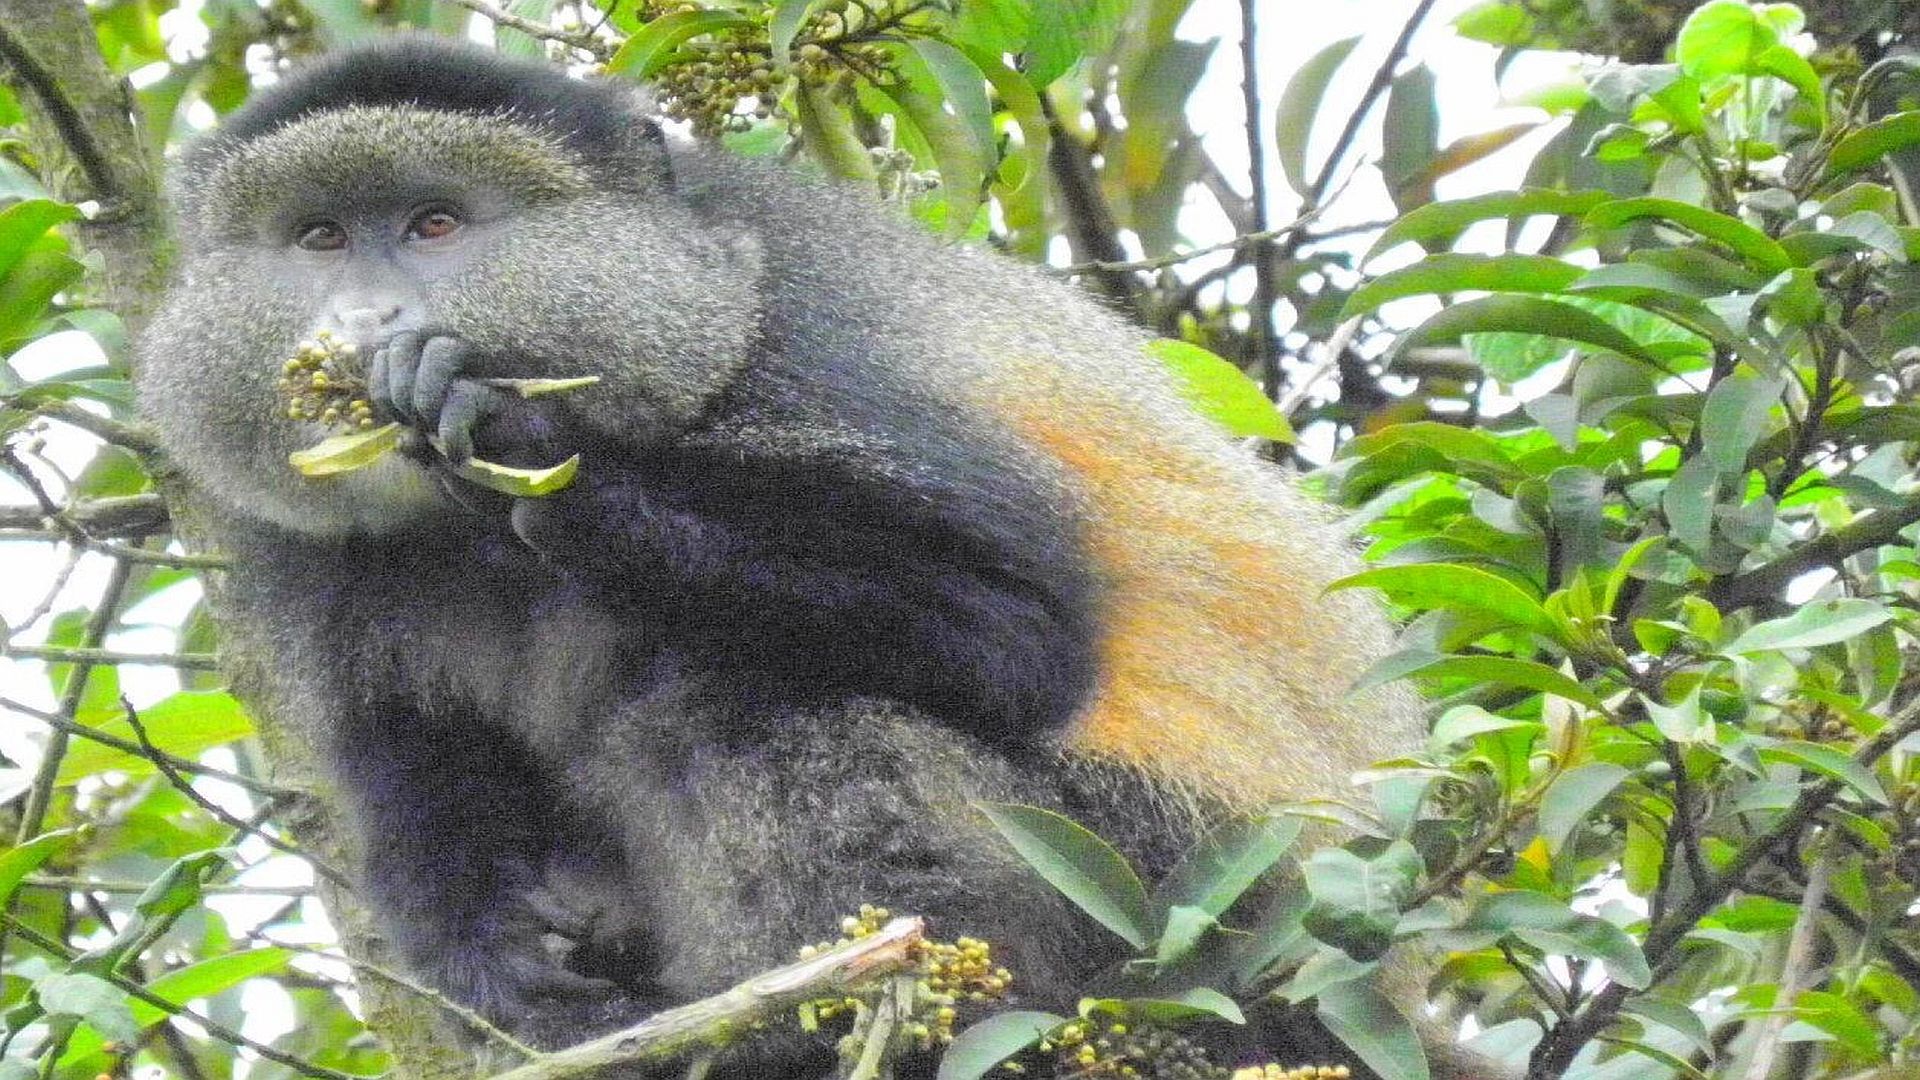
1199 1003
511 42
1448 272
918 98
646 52
1830 763
1356 901
90 998
1672 1061
1467 721
198 980
1734 418
1523 314
1411 138
1572 796
1227 861
1869 144
17 862
1300 104
1369 1025
1507 671
25 293
338 454
1756 247
1440 223
1496 22
787 18
1723 37
1683 722
828 134
1185 926
1220 391
1688 501
533 388
1065 31
519 483
1821 622
1454 587
1086 869
23 223
1550 926
981 1048
184 725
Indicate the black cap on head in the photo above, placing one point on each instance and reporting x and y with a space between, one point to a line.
595 117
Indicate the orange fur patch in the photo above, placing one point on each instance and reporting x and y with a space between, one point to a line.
1223 668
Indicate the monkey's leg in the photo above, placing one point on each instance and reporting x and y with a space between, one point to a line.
456 827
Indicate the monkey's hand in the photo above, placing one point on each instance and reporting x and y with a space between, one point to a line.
516 980
431 383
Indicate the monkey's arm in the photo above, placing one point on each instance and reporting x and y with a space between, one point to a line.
455 824
821 580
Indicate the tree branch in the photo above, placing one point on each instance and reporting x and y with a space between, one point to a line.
1763 583
722 1018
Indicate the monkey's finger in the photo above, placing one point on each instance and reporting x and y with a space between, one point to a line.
466 404
442 359
403 359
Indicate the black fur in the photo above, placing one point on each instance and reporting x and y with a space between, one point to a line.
596 118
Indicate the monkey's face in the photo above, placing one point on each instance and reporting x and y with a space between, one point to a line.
384 226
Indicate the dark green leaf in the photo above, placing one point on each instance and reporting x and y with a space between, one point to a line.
1522 314
1572 796
1086 869
1448 272
649 50
1438 224
981 1048
1227 861
1368 1024
1300 104
1756 247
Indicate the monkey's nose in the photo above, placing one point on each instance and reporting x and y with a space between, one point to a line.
368 323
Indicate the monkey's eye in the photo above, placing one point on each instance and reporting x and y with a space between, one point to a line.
434 222
321 236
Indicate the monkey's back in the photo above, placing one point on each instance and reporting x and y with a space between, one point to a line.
1224 667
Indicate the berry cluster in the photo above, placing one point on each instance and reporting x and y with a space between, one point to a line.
951 974
1105 1048
323 383
728 79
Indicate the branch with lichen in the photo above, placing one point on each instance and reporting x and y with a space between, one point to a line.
852 967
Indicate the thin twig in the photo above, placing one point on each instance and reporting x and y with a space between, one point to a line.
58 654
586 43
126 746
1329 362
1260 344
135 888
137 438
219 813
116 517
1382 79
473 1020
173 1008
1161 262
